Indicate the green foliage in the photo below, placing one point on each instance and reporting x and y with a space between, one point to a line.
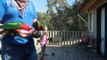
46 18
62 16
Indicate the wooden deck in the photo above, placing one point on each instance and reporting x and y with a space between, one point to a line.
69 53
74 52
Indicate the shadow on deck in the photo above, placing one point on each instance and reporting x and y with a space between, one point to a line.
70 53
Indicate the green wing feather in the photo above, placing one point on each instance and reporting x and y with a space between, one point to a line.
11 25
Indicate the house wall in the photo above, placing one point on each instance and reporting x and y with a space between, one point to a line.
100 30
96 24
93 9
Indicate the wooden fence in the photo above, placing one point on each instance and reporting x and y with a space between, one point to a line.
64 37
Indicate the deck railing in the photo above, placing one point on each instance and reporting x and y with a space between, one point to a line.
64 37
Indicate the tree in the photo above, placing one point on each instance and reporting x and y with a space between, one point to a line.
62 16
57 9
44 17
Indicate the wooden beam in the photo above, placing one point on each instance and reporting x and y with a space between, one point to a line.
97 4
86 7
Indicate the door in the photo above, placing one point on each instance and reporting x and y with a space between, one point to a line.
102 49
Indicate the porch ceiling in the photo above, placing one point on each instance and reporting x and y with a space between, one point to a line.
97 4
86 5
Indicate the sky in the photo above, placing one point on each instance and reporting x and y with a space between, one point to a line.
41 5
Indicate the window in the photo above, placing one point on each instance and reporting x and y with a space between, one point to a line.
91 22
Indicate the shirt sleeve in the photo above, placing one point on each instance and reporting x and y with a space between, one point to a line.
2 10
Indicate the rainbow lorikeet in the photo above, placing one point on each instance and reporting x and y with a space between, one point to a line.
39 25
15 26
11 25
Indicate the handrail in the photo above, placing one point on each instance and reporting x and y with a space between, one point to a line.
64 37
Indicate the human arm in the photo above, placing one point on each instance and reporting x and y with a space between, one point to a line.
2 13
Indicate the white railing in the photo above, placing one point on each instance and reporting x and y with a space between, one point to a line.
64 37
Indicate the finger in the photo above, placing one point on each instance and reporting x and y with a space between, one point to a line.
23 35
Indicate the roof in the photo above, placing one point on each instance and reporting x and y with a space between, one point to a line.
83 4
89 5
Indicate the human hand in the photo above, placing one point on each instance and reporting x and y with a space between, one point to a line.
36 34
1 30
31 31
23 33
